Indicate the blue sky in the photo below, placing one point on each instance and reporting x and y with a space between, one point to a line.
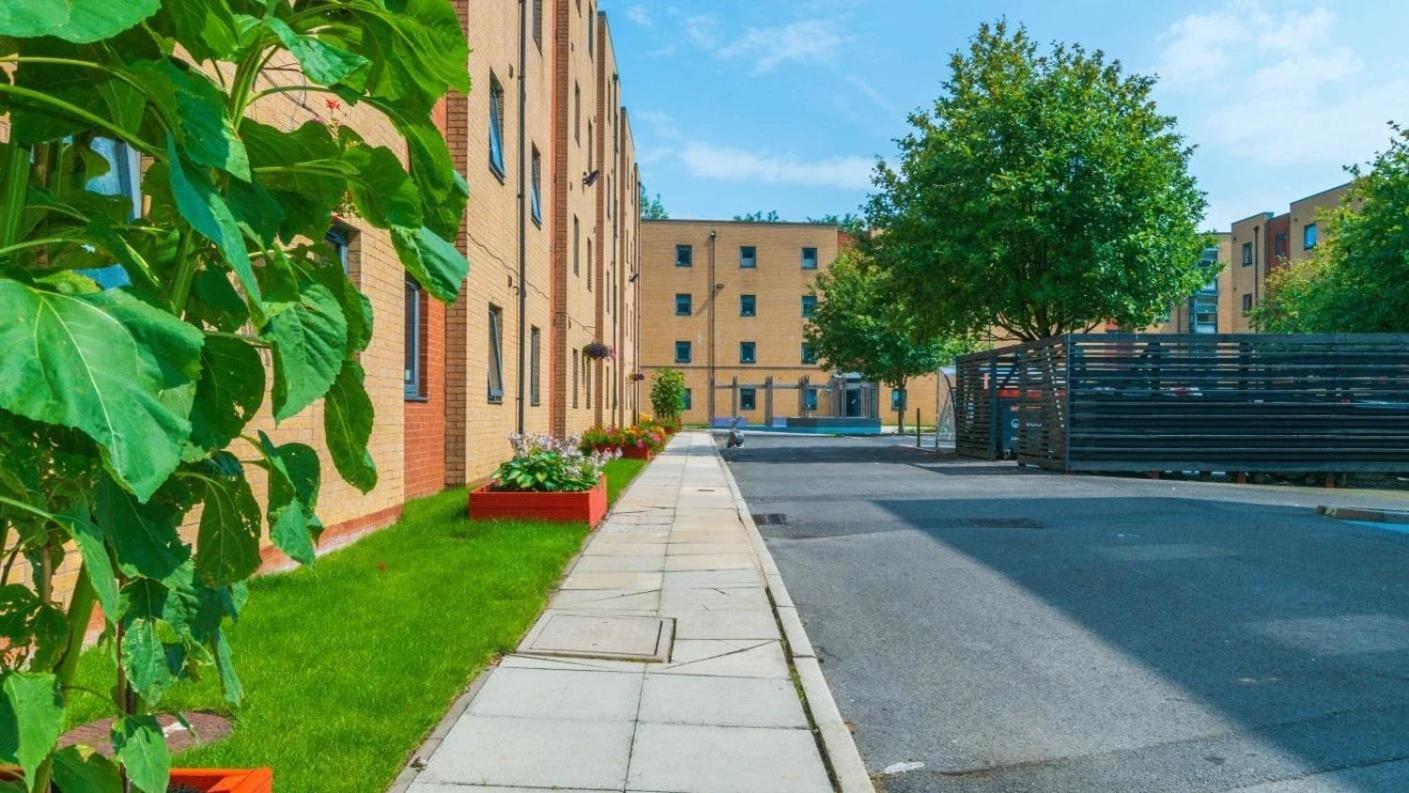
785 104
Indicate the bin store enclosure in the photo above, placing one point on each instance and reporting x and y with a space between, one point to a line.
1200 402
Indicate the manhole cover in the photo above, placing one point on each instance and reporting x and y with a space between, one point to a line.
769 518
602 636
205 728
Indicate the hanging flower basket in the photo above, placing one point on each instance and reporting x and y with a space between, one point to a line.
598 350
637 377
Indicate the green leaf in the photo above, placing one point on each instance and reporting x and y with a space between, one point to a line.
206 29
224 665
294 476
144 536
202 207
417 51
31 718
140 745
443 190
384 194
229 392
79 769
347 424
79 21
227 543
326 64
310 340
89 539
144 660
356 308
433 262
101 363
306 199
197 107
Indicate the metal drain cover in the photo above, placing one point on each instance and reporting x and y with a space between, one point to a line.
769 518
602 636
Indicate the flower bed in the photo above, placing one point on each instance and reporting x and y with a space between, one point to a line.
641 442
583 506
546 479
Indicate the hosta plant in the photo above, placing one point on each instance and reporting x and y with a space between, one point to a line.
542 463
136 337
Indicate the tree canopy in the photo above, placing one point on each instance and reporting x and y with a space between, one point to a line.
651 208
771 216
1356 279
1042 193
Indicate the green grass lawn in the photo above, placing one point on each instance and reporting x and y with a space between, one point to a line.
349 663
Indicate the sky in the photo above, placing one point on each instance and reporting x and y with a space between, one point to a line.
758 105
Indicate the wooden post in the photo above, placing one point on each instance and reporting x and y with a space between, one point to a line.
768 401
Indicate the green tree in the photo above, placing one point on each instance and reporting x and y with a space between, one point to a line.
123 409
1356 280
1043 193
861 325
651 208
850 222
759 217
668 395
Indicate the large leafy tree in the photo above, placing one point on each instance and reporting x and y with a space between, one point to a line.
1357 278
651 208
1042 193
861 324
125 409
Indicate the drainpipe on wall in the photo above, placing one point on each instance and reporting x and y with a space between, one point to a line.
713 297
1256 266
523 210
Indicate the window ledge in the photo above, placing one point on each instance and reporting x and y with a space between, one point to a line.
417 398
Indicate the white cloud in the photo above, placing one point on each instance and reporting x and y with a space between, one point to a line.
728 164
808 40
702 30
640 15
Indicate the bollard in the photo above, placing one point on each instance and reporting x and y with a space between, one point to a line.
917 428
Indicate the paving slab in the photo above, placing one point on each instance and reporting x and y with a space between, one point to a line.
721 701
620 563
687 759
724 658
559 694
727 624
519 752
590 580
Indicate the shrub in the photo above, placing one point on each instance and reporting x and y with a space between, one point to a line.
542 463
668 395
642 436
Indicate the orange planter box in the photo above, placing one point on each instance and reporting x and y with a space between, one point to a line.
207 780
637 452
587 506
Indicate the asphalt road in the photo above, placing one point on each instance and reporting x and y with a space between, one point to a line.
1015 630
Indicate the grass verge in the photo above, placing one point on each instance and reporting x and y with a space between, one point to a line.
348 664
619 475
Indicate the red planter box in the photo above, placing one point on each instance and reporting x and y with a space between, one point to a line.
208 780
637 452
588 506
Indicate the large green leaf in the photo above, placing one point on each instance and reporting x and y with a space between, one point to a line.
294 475
101 363
307 197
320 60
417 51
435 263
310 340
140 745
206 29
31 718
79 769
80 21
199 203
96 561
145 661
385 196
143 535
347 424
197 107
442 188
229 392
227 544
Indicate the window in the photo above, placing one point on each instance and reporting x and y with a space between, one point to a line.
538 24
535 365
591 263
748 399
1247 254
413 381
1247 303
809 305
688 401
535 203
591 150
339 238
748 305
586 379
576 245
124 178
1280 246
684 256
591 31
1308 237
809 258
897 399
496 127
496 354
682 352
748 257
809 355
809 399
748 352
575 364
682 305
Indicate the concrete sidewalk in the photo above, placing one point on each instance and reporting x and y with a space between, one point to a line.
719 714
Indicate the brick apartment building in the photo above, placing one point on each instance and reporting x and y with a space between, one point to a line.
725 303
551 233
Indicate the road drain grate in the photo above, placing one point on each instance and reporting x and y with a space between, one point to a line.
770 518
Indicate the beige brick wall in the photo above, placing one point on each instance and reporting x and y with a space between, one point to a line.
1303 214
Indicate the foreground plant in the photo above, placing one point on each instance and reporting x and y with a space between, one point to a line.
119 406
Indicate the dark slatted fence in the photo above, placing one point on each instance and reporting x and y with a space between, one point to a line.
1154 402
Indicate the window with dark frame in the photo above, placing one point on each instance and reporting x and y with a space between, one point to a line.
748 257
1247 303
496 127
538 24
576 246
577 112
748 399
684 256
1308 237
688 400
809 258
748 305
586 379
1280 245
124 178
341 239
413 381
575 364
809 399
682 352
535 365
496 354
536 198
809 305
809 355
748 352
683 304
1247 254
